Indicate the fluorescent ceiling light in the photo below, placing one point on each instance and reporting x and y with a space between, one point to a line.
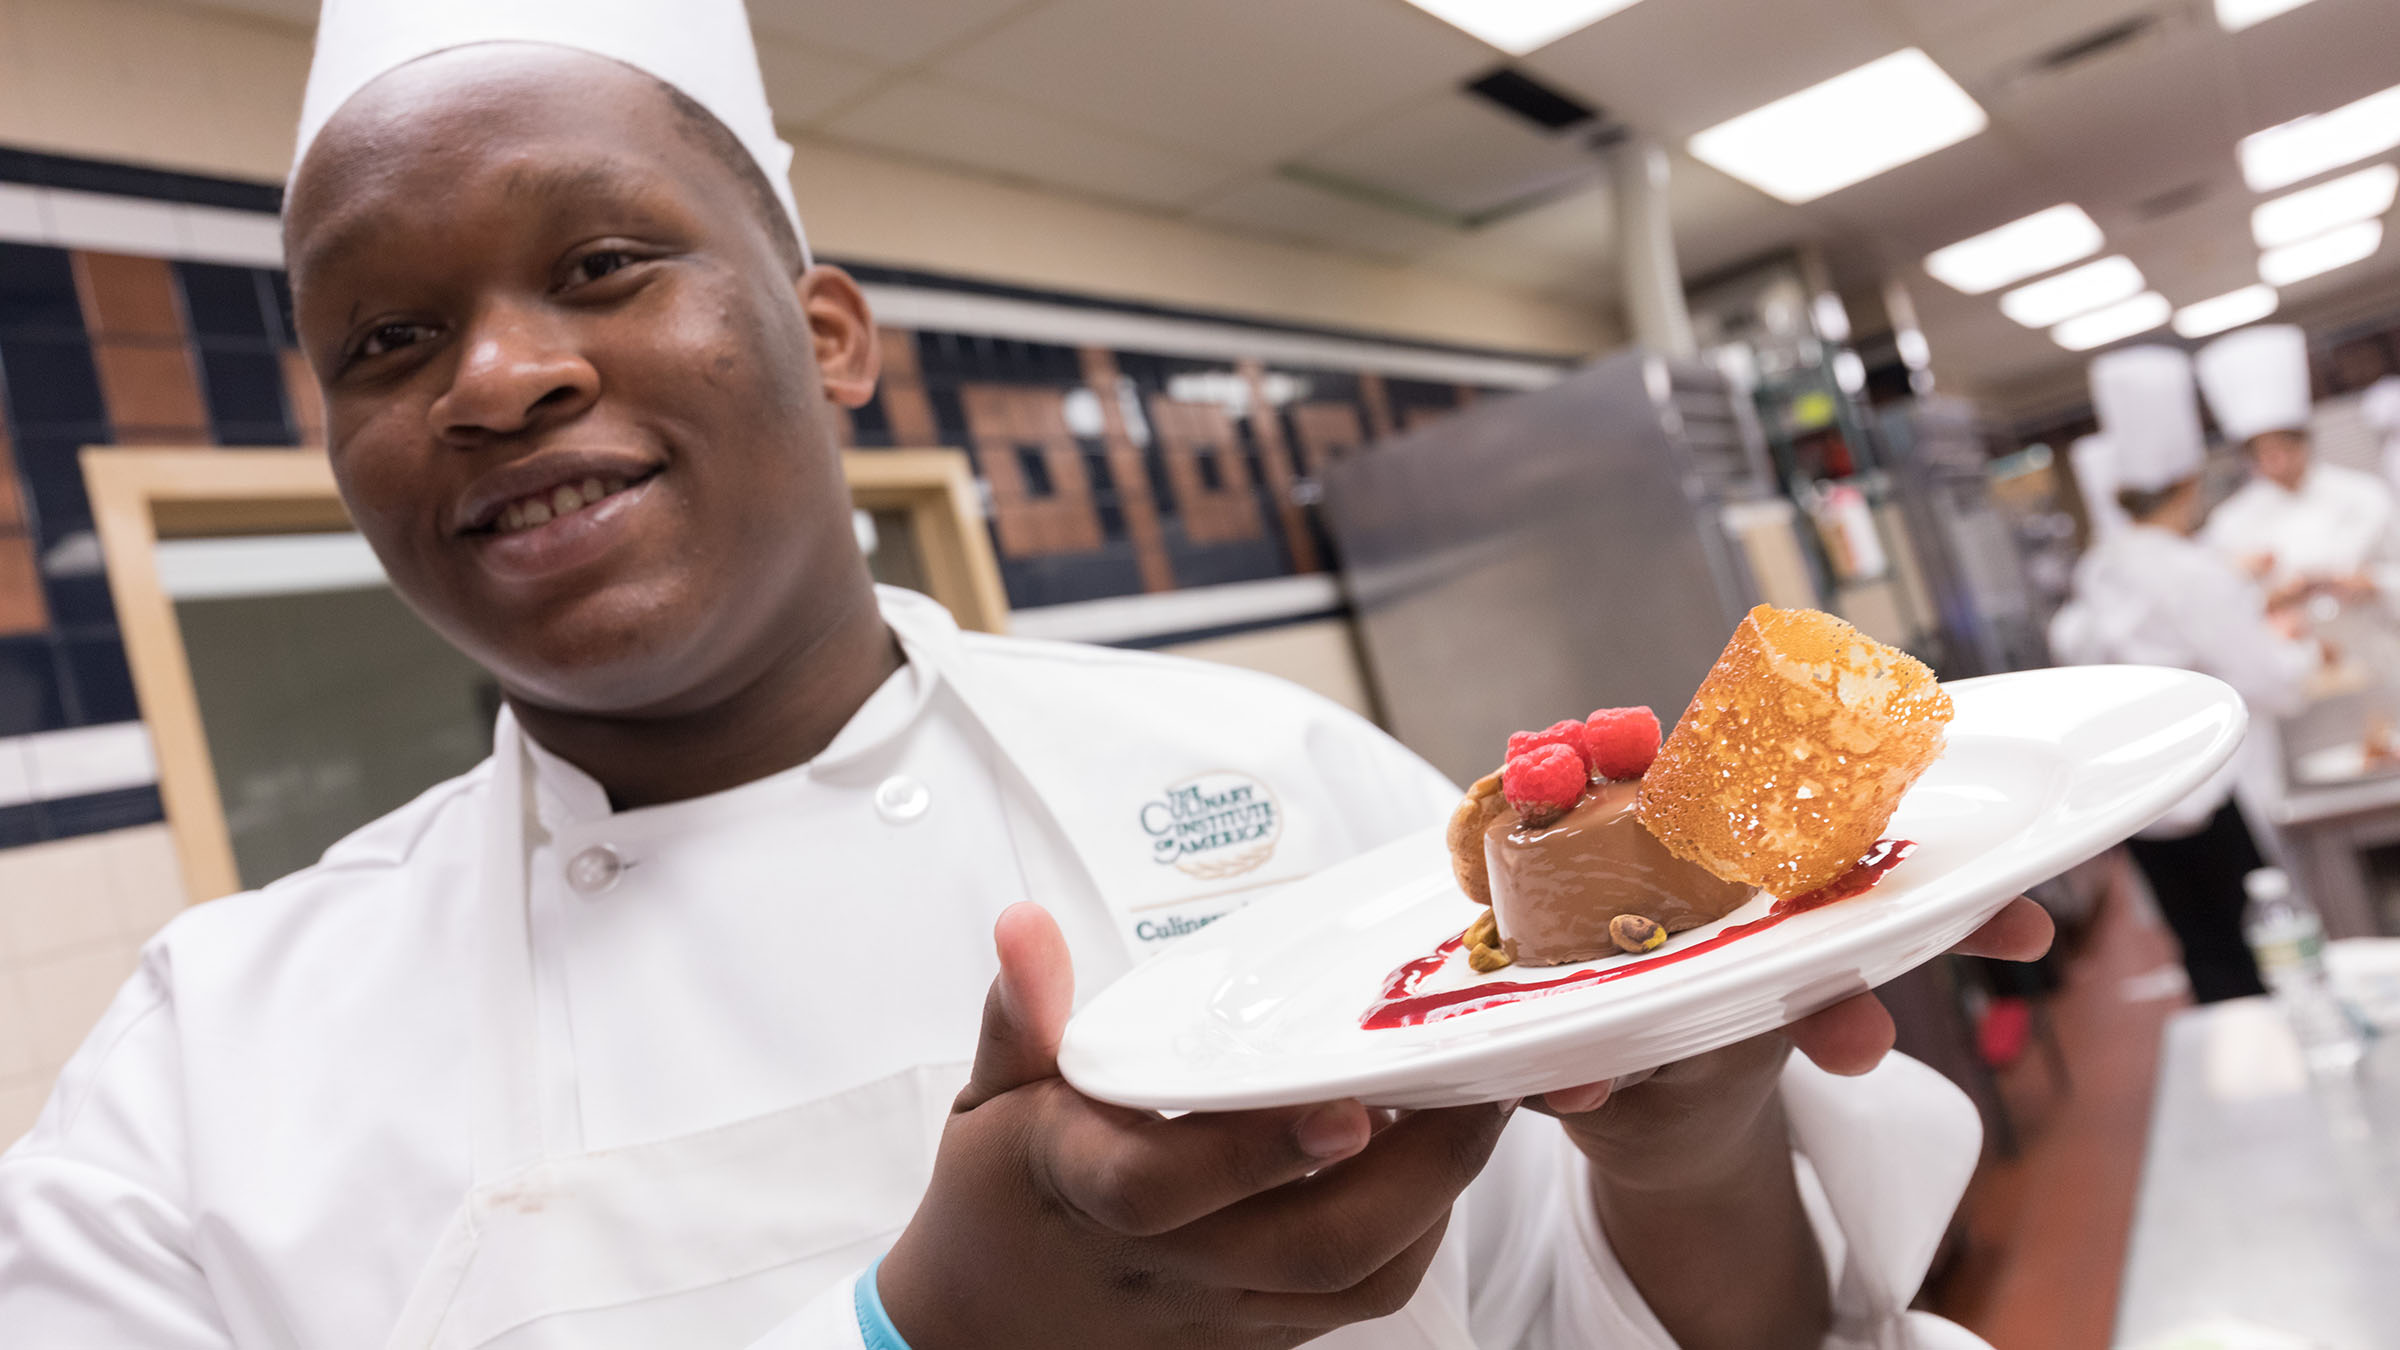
2310 257
2068 294
2314 210
2230 310
2307 146
2020 249
2235 15
1848 129
1520 26
2120 320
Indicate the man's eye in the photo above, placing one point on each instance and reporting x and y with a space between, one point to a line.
391 337
593 266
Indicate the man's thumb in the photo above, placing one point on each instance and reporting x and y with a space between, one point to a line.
1025 1015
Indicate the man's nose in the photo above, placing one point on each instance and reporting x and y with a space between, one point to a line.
518 369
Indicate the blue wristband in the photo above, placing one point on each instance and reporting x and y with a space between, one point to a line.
874 1324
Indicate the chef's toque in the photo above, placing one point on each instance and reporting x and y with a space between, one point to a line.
2095 469
700 47
2256 380
2149 415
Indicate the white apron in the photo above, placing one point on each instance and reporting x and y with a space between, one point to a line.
713 1239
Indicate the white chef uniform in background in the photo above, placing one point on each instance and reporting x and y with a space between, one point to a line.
2150 596
508 1069
2339 521
2379 406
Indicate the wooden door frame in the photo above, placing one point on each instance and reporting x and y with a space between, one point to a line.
141 496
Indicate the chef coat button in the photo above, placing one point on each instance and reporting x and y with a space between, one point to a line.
901 799
595 870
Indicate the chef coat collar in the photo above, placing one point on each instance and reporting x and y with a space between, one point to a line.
566 794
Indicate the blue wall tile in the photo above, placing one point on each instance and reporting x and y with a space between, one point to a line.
29 680
100 680
37 291
51 382
225 302
245 397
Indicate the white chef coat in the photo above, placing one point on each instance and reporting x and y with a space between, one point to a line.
2337 523
2149 596
742 1018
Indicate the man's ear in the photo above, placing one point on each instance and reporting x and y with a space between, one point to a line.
842 332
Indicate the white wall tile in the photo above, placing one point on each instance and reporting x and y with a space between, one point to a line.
144 875
104 758
217 234
16 771
114 224
57 897
20 1104
68 993
21 218
17 1056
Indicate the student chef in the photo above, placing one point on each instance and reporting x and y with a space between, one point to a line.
676 1022
2297 524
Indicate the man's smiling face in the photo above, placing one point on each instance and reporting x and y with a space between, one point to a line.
573 391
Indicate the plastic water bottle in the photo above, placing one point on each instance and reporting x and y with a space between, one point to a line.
2288 940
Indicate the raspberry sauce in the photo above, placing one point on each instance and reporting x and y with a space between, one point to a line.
1400 1005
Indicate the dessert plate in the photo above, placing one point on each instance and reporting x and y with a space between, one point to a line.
2042 770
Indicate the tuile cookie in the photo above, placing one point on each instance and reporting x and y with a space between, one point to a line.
1794 753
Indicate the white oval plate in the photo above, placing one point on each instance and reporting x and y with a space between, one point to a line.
2043 769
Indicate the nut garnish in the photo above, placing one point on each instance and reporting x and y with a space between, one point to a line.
1634 934
1482 941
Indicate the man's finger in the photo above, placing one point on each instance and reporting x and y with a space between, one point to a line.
1848 1038
1381 1294
2019 932
1025 1014
1139 1175
1331 1231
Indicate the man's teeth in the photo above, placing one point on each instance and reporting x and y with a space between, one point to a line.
564 500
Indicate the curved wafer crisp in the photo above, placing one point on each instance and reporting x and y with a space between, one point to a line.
1794 753
1479 808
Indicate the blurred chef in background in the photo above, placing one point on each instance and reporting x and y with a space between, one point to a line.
2302 527
2095 468
2380 406
2150 593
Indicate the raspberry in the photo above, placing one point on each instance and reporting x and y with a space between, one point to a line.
1543 782
1623 741
1568 734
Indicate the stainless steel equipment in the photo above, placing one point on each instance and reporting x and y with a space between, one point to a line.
1542 555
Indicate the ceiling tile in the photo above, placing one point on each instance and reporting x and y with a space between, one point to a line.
1674 67
1458 153
959 126
1250 81
1719 222
1273 205
1566 249
896 32
2316 57
805 83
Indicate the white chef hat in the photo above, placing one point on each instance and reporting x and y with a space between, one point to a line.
2095 468
2256 380
701 47
2149 415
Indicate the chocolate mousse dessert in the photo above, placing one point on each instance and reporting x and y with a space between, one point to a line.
1554 844
1780 776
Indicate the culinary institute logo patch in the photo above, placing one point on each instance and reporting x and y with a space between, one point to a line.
1213 825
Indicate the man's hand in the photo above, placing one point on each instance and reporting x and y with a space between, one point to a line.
1056 1221
1692 1173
